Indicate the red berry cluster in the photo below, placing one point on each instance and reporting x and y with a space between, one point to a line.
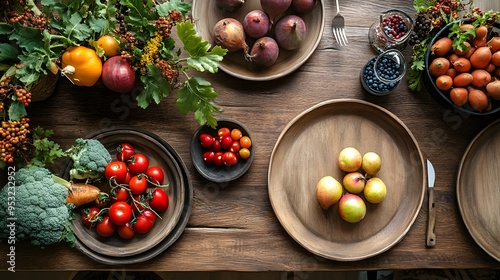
226 148
395 26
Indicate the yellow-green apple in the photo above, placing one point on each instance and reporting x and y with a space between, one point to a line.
354 182
352 208
328 191
375 190
349 159
371 163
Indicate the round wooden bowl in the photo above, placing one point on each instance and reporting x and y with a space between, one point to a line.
478 190
308 149
206 14
159 155
219 174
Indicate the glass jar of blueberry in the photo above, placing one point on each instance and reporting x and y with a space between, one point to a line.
391 31
383 73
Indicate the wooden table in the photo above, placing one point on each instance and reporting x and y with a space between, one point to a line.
233 227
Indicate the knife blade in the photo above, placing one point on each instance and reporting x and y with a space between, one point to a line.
431 219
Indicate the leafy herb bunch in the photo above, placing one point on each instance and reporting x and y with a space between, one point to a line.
432 16
33 39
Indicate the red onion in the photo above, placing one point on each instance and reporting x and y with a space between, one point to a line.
256 23
265 51
229 34
118 75
274 8
304 6
230 5
290 32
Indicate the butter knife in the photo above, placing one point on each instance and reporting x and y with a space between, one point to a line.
431 219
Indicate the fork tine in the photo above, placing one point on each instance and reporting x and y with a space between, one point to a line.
344 36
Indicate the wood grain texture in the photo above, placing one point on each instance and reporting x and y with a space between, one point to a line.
478 189
233 226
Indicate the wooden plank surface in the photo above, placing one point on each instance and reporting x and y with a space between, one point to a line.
232 226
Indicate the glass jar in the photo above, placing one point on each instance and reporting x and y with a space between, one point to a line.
383 73
391 31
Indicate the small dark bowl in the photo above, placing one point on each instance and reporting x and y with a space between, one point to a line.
443 97
220 174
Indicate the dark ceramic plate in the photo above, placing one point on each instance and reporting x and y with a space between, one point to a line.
442 97
219 174
115 250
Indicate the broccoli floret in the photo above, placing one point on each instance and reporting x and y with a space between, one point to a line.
90 158
40 212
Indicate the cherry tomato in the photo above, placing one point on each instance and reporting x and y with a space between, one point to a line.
138 163
218 159
223 132
109 45
120 213
159 202
106 228
208 156
125 151
126 231
216 146
116 169
226 142
235 147
127 178
244 153
89 216
121 195
206 140
155 174
229 159
150 215
138 184
143 224
245 142
236 134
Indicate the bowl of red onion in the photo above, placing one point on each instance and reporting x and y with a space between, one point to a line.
265 39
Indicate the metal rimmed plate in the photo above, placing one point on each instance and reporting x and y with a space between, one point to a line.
206 14
478 189
115 250
307 150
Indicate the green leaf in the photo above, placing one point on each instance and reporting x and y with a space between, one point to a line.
200 58
8 52
76 30
156 87
197 96
26 37
178 5
5 28
16 111
33 68
46 151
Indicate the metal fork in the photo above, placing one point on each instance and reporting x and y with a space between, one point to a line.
338 27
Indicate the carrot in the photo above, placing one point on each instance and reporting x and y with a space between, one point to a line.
79 193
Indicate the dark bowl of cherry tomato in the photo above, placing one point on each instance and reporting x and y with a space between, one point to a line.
222 154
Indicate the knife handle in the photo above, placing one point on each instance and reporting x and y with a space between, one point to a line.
431 222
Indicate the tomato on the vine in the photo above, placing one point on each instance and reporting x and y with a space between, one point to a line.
150 215
138 184
138 205
143 224
155 174
120 213
125 151
121 194
159 200
89 216
116 169
138 163
126 231
106 228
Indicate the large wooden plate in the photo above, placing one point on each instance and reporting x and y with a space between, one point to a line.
206 14
478 189
307 150
115 250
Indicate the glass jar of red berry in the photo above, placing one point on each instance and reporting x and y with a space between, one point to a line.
391 31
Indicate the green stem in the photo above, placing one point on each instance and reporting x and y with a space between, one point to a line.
61 181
